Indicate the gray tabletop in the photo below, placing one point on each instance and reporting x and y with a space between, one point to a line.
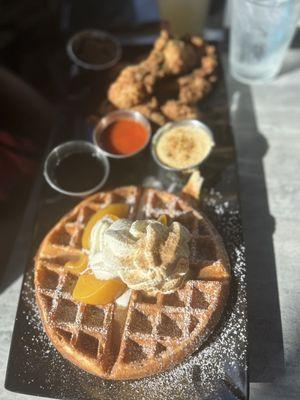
266 123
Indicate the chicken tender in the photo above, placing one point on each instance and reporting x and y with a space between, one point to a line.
175 110
190 62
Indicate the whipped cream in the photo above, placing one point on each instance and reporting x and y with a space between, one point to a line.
102 266
145 254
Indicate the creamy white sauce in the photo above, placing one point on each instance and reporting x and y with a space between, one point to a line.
183 146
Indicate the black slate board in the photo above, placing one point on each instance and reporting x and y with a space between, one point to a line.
216 371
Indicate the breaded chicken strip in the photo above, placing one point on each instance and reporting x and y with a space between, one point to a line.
189 62
176 110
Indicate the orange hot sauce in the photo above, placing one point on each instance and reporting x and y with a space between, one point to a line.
123 137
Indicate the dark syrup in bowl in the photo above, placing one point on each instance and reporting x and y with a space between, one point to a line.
95 51
78 172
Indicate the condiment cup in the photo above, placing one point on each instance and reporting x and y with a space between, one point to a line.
66 149
117 116
75 41
170 125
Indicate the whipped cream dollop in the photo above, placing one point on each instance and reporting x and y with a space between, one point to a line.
145 254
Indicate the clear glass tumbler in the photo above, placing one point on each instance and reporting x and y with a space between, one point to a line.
184 16
261 31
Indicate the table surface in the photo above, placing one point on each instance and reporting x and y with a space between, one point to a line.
266 124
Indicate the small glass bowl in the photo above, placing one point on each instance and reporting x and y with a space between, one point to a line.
116 116
65 149
167 127
75 41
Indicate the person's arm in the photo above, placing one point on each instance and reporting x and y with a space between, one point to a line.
22 109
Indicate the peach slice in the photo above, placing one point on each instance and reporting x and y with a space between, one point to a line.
114 211
90 290
78 266
163 219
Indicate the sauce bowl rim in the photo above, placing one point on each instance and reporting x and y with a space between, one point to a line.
117 115
101 35
94 149
172 124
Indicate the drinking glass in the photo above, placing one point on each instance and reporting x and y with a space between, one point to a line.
261 31
184 16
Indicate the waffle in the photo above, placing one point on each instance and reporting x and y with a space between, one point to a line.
154 332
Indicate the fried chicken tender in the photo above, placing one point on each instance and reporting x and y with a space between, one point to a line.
190 61
179 57
131 88
193 87
136 82
151 110
176 110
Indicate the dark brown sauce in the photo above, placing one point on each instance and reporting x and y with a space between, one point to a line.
95 51
79 172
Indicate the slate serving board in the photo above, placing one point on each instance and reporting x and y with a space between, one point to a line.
219 369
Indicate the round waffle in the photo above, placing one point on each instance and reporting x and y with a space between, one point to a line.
154 332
